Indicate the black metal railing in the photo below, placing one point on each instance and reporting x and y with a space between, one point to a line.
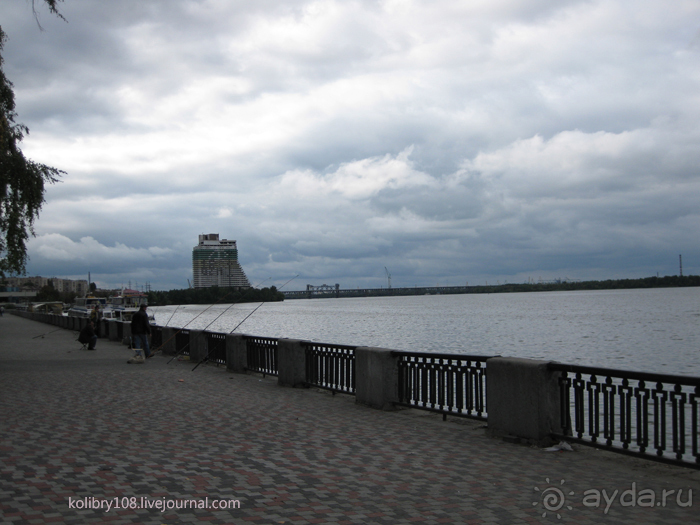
650 415
216 347
445 383
330 366
182 342
261 355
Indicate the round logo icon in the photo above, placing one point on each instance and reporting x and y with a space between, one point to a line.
553 499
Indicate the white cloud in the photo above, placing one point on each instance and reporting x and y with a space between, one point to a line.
56 247
358 180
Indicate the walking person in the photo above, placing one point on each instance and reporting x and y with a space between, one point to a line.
140 330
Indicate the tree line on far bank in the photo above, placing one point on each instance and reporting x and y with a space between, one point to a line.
213 295
670 281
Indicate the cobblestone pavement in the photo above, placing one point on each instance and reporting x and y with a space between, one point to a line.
81 429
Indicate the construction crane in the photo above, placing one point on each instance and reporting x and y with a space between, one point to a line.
388 276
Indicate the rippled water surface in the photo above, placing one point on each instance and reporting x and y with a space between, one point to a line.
648 330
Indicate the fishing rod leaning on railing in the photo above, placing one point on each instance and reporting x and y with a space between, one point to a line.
216 318
202 312
215 347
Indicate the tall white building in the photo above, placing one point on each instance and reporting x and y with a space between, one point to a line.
215 263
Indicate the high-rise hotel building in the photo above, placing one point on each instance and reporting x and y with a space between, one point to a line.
215 263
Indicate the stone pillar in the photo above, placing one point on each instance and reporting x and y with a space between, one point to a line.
291 361
522 397
236 353
106 329
376 378
198 345
126 334
168 345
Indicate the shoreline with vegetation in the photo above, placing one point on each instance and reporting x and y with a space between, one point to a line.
214 295
671 281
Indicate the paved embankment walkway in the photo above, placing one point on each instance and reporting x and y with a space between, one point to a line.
76 424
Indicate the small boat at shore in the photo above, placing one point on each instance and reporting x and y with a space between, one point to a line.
84 306
123 306
50 307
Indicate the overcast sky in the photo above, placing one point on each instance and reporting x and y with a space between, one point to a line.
449 141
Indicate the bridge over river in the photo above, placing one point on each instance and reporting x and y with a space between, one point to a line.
325 291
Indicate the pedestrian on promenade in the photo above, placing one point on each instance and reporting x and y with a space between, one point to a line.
87 335
140 330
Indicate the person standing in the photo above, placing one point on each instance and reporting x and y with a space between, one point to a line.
96 316
140 330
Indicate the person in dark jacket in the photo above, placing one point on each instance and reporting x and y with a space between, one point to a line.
87 335
140 330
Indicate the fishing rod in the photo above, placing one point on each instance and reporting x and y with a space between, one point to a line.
47 333
191 320
171 315
206 357
231 306
217 317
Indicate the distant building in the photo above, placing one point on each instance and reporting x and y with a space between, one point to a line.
215 263
80 287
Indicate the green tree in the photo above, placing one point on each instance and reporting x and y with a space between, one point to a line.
22 181
48 293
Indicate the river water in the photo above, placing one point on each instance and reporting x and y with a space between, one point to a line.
650 330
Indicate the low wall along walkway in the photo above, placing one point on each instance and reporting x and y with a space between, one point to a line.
653 416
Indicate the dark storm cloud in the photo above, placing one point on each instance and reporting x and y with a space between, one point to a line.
447 141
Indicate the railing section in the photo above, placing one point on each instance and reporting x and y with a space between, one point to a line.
650 415
182 342
262 355
216 347
331 367
445 383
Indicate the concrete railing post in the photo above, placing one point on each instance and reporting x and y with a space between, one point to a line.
291 363
522 398
168 346
105 330
236 353
126 334
376 378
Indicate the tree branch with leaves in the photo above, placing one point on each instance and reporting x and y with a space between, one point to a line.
22 181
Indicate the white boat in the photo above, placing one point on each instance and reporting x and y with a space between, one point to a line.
50 307
123 306
84 306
